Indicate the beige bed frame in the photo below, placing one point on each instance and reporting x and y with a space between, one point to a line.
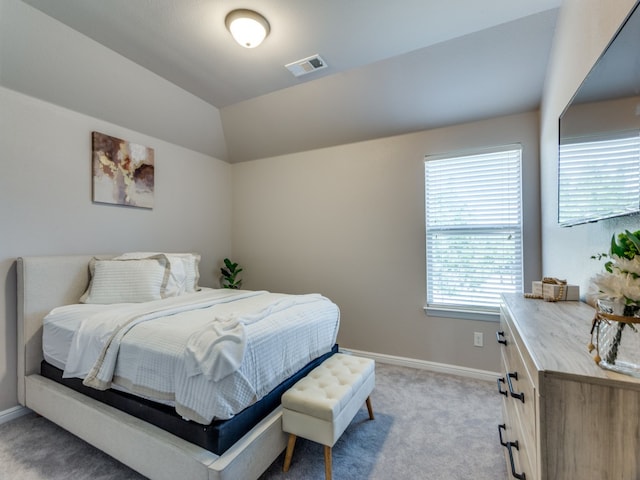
46 282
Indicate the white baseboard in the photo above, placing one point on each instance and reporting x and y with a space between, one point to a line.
13 413
426 365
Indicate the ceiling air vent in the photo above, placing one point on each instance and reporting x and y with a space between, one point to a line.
306 65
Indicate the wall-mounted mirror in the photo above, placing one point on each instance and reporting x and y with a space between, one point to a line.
599 148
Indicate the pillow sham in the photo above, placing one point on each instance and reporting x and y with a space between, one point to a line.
191 264
184 270
127 281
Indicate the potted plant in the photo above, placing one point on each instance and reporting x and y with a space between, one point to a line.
230 273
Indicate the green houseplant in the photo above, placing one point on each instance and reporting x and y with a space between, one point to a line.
230 273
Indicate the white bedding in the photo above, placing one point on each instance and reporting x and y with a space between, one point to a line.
178 359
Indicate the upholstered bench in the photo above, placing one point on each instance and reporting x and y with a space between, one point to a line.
320 406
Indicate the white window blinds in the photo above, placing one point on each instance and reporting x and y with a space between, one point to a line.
598 178
473 229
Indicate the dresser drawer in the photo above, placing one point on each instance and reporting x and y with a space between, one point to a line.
518 454
519 390
517 431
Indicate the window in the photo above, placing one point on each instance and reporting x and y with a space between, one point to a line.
473 231
598 177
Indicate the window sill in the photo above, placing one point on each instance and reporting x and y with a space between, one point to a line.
480 315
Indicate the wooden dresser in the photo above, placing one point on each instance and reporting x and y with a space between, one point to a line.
565 418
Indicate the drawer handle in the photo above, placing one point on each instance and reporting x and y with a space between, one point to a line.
500 338
509 446
519 476
520 395
500 391
500 428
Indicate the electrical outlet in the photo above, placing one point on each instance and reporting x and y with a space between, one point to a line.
478 340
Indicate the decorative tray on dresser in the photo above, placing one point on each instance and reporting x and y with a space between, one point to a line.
565 418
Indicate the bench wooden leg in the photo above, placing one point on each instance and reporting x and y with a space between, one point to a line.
370 408
327 462
287 457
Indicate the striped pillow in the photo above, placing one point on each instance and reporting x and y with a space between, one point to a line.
185 270
127 281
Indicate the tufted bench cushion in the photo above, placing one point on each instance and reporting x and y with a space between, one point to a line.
320 406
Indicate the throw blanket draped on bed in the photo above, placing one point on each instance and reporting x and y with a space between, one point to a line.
210 332
217 350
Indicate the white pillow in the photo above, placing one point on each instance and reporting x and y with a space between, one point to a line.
127 281
184 275
191 265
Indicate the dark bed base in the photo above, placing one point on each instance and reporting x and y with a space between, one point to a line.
216 437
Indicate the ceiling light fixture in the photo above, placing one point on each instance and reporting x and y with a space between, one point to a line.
248 28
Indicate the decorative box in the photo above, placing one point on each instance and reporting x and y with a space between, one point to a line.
536 288
555 292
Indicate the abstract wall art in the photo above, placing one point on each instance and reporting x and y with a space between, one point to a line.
123 172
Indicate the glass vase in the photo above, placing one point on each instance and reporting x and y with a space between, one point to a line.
617 338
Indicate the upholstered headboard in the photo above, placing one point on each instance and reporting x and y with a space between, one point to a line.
44 283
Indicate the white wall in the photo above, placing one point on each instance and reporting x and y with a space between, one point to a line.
45 159
348 222
46 207
585 28
46 59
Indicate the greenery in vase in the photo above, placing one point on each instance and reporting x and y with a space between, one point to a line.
621 281
230 273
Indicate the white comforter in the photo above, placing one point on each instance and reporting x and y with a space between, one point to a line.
210 353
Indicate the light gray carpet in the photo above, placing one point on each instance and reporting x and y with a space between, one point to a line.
428 426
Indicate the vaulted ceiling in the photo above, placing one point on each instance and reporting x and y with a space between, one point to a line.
393 67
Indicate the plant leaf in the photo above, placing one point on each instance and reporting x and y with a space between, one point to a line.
634 240
616 249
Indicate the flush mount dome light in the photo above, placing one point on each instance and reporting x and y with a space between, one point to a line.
248 28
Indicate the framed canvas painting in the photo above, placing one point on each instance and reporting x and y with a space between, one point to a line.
123 172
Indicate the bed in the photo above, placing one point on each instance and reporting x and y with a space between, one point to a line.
153 440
